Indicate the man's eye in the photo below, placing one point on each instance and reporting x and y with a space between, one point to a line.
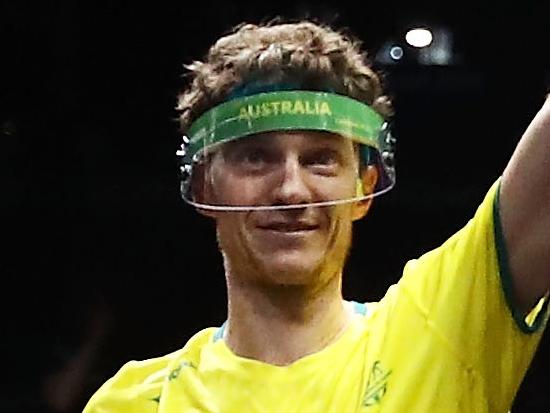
254 156
324 158
326 162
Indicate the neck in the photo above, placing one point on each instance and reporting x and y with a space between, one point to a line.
281 324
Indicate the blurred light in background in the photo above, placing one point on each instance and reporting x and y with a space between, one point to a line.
428 46
396 52
419 37
440 51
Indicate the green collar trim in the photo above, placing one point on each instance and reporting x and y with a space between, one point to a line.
287 110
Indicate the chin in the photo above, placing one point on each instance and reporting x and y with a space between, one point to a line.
292 269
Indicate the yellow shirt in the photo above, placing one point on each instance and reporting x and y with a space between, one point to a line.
443 339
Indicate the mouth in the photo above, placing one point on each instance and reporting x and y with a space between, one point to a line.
289 227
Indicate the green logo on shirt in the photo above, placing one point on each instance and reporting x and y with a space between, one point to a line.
176 372
376 384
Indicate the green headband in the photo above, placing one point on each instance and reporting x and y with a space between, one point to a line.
287 110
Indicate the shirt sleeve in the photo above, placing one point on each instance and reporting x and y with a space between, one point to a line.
463 289
135 387
138 385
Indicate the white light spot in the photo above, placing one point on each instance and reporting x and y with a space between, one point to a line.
396 52
419 37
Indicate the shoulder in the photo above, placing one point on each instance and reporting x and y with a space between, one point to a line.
156 369
478 240
138 384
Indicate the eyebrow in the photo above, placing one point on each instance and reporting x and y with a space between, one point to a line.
322 140
334 142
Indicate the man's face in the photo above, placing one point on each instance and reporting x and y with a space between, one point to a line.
293 246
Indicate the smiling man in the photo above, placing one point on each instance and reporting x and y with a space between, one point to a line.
284 169
286 145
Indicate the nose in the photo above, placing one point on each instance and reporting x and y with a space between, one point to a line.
292 187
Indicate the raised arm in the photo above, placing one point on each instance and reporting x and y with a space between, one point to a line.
525 212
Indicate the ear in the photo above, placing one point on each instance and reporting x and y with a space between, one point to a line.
201 188
365 185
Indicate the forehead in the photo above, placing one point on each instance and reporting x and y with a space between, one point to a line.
306 139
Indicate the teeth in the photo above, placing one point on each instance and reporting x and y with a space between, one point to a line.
290 229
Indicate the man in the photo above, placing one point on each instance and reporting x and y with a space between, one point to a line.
287 144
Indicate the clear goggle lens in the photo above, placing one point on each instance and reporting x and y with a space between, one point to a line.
284 150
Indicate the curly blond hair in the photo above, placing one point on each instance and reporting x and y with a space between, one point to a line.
315 56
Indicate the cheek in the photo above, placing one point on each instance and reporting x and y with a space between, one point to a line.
231 190
335 188
341 227
228 230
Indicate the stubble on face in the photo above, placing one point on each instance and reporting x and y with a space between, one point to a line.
258 254
297 246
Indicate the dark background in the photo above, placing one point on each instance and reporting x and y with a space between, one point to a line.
102 262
